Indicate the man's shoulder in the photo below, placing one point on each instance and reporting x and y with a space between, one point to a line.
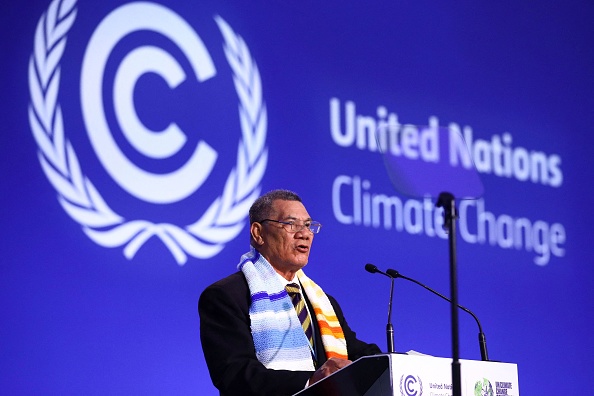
232 284
233 280
231 291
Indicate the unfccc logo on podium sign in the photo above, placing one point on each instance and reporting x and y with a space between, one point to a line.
224 219
411 385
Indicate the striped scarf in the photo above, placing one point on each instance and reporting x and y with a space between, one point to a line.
278 336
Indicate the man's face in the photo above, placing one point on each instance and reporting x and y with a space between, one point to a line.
287 251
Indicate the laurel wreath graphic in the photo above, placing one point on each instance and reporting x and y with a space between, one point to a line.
225 217
404 391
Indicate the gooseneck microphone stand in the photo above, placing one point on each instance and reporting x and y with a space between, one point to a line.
481 336
450 215
372 269
389 327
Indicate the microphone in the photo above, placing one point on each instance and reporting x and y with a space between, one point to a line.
389 328
482 340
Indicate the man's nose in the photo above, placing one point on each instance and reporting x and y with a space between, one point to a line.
305 233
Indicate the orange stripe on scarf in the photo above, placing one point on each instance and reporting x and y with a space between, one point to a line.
330 330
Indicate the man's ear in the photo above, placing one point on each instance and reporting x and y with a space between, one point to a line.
256 232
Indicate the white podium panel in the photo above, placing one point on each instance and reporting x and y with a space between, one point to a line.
413 375
431 376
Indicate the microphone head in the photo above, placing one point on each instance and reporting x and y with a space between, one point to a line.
370 268
393 273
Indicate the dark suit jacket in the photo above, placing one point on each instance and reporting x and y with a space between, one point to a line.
229 349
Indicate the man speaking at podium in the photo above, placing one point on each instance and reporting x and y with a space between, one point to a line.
268 329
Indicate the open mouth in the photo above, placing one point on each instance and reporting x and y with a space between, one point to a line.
303 248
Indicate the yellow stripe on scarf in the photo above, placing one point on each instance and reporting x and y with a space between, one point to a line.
332 334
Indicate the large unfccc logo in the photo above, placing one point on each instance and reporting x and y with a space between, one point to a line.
225 217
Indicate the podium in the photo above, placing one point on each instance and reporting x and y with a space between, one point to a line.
412 375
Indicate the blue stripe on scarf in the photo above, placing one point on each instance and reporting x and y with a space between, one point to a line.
265 296
278 336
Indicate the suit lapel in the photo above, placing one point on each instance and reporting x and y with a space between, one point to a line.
319 347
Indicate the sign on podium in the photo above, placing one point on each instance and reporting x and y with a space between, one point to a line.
412 375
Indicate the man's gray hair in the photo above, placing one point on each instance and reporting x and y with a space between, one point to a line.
262 207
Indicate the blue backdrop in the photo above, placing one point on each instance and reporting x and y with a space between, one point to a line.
136 135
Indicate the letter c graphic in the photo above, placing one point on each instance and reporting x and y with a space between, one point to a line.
155 188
